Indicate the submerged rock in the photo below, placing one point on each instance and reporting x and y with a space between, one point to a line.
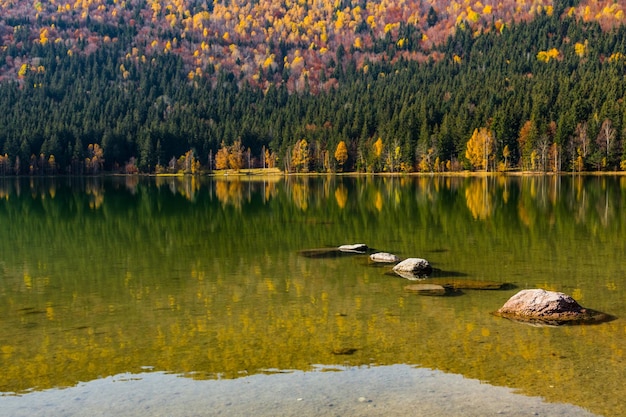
469 284
426 289
357 247
384 258
344 351
413 268
547 307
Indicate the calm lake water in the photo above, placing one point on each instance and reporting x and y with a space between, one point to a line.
201 277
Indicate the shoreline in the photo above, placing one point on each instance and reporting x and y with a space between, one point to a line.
275 173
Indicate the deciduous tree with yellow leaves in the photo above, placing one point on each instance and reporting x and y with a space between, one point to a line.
300 157
221 157
235 156
95 158
480 148
341 154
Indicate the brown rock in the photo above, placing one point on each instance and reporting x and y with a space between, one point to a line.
547 307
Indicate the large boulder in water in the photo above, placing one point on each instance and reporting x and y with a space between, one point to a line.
547 307
413 268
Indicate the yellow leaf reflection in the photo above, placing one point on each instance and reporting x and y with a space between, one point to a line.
378 201
269 284
300 195
7 349
479 199
28 281
50 312
95 191
341 195
229 192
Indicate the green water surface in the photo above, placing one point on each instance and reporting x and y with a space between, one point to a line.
199 276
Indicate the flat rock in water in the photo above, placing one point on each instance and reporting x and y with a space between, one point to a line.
384 258
426 289
468 284
334 252
547 307
321 253
356 247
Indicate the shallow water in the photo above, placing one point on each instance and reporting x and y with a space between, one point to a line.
357 391
102 277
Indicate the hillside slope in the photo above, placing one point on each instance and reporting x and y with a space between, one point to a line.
370 86
293 41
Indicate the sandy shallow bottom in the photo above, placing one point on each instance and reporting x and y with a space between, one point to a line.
397 390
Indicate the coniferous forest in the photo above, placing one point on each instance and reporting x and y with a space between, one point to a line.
364 86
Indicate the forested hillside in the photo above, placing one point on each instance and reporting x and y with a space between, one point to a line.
369 86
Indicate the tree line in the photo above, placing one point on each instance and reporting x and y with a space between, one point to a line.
542 95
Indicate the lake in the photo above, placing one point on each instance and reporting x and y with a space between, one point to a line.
204 278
